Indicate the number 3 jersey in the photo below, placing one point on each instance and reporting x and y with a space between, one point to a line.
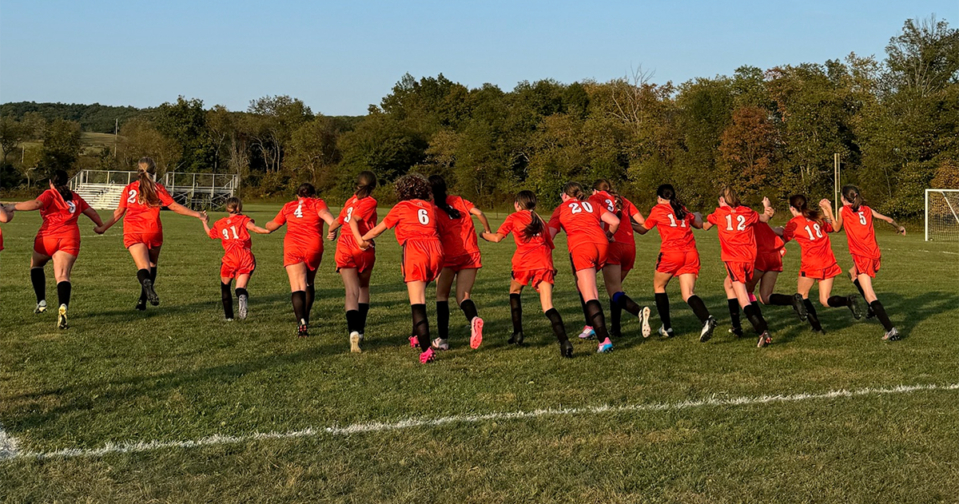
859 231
813 239
737 238
233 235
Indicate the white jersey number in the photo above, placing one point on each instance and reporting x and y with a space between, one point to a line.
739 227
818 232
423 216
862 218
672 221
226 236
133 197
299 210
349 215
579 207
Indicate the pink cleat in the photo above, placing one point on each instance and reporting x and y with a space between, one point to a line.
426 356
414 342
476 333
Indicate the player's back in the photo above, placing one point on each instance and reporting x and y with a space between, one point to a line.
359 210
734 226
581 220
767 241
860 233
457 234
304 226
232 233
142 217
60 216
813 239
532 252
413 220
676 234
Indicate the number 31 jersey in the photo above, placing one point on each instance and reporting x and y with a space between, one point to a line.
737 238
232 233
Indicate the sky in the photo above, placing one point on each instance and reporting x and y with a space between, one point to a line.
340 57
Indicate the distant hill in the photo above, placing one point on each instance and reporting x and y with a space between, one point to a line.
93 118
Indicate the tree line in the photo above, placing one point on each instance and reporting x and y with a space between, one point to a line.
894 122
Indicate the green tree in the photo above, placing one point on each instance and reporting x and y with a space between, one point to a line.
61 146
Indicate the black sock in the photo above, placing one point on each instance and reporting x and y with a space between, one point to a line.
39 280
734 313
859 288
662 306
152 275
299 306
837 301
813 317
615 319
582 301
421 326
352 321
557 322
442 319
758 307
780 300
756 319
516 313
598 320
625 302
699 308
364 311
880 312
242 292
63 292
469 309
310 296
227 297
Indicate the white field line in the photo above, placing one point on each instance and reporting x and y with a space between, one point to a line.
8 445
359 428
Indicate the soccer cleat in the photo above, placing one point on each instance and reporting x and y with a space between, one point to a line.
427 356
666 333
516 339
414 342
799 305
738 331
141 304
869 313
764 340
566 349
244 307
892 335
605 346
41 307
708 329
588 333
644 321
476 333
151 294
440 344
362 337
355 342
62 317
854 306
302 331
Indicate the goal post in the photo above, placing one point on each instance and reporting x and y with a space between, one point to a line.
942 214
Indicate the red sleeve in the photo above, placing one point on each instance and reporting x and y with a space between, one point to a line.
629 209
713 218
81 203
45 199
752 217
467 205
281 216
554 219
366 206
215 231
393 217
651 220
342 215
789 231
165 198
827 227
320 206
507 226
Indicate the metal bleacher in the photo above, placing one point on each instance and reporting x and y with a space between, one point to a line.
103 189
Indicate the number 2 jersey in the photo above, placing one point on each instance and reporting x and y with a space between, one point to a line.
141 218
859 232
737 237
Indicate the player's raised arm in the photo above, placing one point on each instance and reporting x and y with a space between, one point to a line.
768 211
830 217
892 222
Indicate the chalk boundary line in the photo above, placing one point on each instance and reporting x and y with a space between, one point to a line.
9 447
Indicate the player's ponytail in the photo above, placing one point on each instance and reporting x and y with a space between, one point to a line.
146 171
306 190
60 181
798 201
605 186
575 191
234 205
439 196
527 201
365 183
667 192
731 196
852 195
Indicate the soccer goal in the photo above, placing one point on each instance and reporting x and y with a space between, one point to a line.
942 214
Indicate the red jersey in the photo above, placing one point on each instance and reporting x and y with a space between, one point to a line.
361 211
458 235
859 231
676 234
737 239
533 254
60 216
767 241
413 220
141 217
624 233
813 240
304 226
233 233
581 220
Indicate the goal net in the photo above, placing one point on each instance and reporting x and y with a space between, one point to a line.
942 214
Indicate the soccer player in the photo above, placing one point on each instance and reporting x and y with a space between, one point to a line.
817 262
532 265
677 257
302 249
770 249
142 231
734 224
620 258
864 250
461 261
238 261
588 245
353 264
414 219
57 239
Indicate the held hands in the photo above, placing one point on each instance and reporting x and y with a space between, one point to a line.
204 217
825 204
901 231
331 236
99 230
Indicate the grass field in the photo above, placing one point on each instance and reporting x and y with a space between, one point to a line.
178 373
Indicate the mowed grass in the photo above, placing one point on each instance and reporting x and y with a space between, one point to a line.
178 372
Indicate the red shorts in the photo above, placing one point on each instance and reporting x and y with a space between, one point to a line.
817 272
49 245
589 255
623 254
422 260
739 271
360 260
467 261
866 265
152 240
534 277
678 263
236 264
296 255
770 261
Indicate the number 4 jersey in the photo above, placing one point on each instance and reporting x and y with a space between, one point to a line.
737 239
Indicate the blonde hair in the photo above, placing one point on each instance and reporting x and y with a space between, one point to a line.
146 170
234 205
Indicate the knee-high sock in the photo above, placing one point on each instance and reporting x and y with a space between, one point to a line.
615 318
662 306
870 312
734 313
557 322
63 292
442 319
352 321
699 308
469 309
143 275
516 313
813 317
880 312
837 301
243 292
310 296
421 326
586 317
39 280
227 296
780 300
598 319
299 306
364 311
626 303
758 306
756 319
153 278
